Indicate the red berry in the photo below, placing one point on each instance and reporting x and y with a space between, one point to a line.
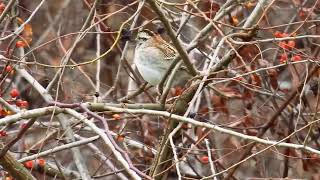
14 93
41 162
302 14
235 20
291 44
18 102
3 112
3 133
283 58
204 159
177 91
20 44
185 126
28 164
296 58
120 138
2 7
9 68
283 45
116 116
22 104
277 34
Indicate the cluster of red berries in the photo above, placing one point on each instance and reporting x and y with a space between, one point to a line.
14 94
30 164
284 58
279 34
287 45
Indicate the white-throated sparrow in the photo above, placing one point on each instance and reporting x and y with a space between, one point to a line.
153 57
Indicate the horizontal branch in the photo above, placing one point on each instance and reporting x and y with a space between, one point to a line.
92 106
217 128
50 109
59 148
31 114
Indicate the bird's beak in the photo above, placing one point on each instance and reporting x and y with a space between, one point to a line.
126 35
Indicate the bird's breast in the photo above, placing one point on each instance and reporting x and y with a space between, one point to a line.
150 65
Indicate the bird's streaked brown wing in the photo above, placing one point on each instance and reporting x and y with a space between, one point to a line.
169 52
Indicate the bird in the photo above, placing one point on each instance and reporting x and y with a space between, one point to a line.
153 57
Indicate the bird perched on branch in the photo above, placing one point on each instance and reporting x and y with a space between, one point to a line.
153 57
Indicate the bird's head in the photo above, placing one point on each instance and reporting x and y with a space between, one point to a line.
144 35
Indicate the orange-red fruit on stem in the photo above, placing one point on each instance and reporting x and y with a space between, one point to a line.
14 93
185 126
20 44
177 91
235 20
116 116
9 68
120 138
41 162
283 58
283 45
278 34
22 104
28 164
204 159
296 58
291 44
302 13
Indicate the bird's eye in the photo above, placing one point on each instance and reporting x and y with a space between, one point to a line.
143 38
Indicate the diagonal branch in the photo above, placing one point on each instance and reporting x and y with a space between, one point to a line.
182 52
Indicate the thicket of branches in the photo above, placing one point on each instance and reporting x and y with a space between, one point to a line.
73 106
